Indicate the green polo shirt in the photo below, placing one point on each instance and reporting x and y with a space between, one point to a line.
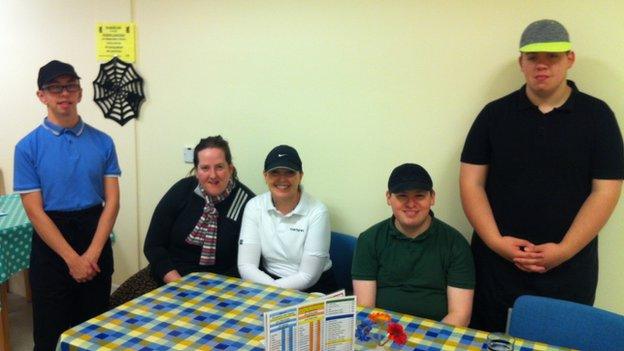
412 274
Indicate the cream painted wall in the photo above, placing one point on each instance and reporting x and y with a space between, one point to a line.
35 32
357 86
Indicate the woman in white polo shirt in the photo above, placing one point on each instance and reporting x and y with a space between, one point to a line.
287 230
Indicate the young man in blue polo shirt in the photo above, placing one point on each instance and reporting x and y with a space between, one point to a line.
67 174
541 173
413 262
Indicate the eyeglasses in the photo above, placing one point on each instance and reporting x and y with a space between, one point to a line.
58 88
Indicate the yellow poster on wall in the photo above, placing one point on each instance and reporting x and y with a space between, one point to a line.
115 39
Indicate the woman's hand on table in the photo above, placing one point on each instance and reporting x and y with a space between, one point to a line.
171 276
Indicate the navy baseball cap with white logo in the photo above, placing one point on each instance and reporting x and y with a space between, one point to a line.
283 156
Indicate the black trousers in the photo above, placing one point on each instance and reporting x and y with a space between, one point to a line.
500 283
58 301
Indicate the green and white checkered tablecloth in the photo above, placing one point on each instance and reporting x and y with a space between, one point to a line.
15 237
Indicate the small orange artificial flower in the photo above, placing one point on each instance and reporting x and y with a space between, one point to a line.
379 317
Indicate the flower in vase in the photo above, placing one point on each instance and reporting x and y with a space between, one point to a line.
379 317
396 333
385 332
362 332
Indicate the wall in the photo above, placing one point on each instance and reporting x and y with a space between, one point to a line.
357 86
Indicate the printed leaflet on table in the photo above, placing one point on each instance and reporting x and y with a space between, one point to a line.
324 324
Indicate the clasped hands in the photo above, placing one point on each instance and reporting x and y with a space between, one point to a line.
529 257
84 268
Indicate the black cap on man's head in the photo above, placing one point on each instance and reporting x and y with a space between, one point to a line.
53 70
409 176
283 156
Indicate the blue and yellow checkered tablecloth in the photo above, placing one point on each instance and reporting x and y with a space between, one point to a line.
429 335
15 237
204 311
201 311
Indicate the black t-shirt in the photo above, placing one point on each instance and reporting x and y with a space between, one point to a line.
541 166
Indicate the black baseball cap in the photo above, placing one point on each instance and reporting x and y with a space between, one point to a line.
283 156
409 176
52 70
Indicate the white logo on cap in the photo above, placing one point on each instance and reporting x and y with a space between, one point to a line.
281 155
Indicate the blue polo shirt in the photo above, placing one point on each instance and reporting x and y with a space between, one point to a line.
67 165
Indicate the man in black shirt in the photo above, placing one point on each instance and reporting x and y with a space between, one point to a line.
541 173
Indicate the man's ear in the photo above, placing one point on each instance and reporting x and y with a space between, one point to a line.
41 95
571 58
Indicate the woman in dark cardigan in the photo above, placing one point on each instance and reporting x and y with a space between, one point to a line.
195 226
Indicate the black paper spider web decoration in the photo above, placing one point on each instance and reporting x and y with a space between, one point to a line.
118 91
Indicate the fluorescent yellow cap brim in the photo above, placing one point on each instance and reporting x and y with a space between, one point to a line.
555 46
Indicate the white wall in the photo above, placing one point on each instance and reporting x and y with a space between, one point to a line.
357 87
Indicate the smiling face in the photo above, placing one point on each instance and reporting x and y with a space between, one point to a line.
545 72
411 210
283 183
213 172
62 106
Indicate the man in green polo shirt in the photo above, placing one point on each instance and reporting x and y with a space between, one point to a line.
413 262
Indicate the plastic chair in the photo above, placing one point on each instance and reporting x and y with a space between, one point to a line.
567 324
341 254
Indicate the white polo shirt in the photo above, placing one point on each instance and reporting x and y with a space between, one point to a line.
285 239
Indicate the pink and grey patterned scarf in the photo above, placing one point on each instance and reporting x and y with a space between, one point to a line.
205 232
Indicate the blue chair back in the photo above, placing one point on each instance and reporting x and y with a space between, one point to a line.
341 253
567 324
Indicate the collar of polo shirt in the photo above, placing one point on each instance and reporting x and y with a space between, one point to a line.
58 130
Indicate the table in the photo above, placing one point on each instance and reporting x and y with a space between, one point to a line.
15 240
204 311
15 237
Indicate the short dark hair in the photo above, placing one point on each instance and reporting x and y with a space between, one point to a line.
216 142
